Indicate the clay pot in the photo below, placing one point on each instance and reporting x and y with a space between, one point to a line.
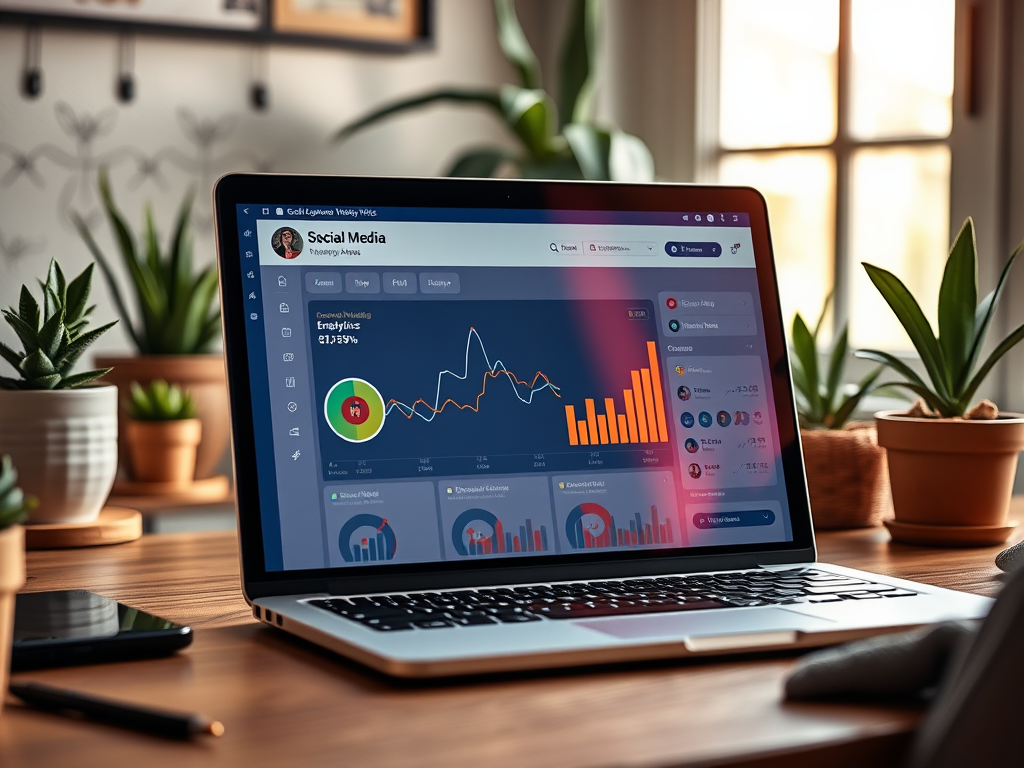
202 375
164 451
951 472
846 476
12 578
64 444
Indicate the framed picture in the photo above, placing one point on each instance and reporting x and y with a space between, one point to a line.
378 24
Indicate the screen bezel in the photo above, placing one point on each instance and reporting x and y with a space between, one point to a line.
239 189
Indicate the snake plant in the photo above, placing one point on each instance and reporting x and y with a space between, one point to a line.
556 140
176 308
54 337
951 358
818 399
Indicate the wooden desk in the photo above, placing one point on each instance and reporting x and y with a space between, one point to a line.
285 702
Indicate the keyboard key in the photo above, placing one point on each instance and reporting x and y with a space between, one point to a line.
433 624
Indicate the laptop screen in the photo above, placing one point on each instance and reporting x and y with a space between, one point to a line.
435 385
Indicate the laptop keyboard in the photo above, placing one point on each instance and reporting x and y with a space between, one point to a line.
581 600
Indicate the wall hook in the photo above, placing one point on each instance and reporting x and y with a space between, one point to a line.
32 72
126 68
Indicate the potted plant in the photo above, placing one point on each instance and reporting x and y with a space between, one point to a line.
951 465
846 477
163 433
14 508
177 321
556 140
59 427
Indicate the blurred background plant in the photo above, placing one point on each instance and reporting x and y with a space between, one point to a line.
54 338
819 400
176 308
557 140
160 401
14 505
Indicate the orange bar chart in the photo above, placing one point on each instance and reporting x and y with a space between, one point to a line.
640 420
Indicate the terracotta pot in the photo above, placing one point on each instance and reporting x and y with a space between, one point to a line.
951 471
204 377
12 578
64 445
846 476
164 451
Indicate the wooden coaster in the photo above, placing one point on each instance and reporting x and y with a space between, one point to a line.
950 535
210 490
115 525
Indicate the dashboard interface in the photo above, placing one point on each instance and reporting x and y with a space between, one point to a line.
437 385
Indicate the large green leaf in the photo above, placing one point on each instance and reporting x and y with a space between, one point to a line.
79 379
1004 346
10 355
629 159
958 298
940 407
489 99
153 249
529 113
28 308
76 308
69 356
805 351
27 334
51 335
591 147
180 255
836 365
576 82
108 276
908 312
37 365
514 44
984 314
479 163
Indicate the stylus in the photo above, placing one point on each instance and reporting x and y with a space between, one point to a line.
171 725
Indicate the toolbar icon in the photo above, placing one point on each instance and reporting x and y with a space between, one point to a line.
266 211
252 294
248 254
289 382
294 431
247 233
293 407
288 356
284 308
286 332
295 456
253 316
282 282
250 274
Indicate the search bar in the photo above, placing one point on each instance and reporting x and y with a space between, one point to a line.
565 247
619 248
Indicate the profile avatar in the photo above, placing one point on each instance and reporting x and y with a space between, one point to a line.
355 410
683 392
724 419
286 242
741 418
691 445
695 470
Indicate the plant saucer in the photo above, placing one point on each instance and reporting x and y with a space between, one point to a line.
950 535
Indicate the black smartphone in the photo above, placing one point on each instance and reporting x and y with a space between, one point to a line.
56 629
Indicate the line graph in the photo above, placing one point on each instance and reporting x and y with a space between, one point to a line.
494 370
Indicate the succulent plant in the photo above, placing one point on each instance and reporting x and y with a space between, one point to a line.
14 506
160 401
818 400
951 358
52 339
557 141
176 308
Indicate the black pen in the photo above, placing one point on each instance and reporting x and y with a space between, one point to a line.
171 725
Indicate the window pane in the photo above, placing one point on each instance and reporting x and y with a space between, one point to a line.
800 190
899 220
778 72
901 79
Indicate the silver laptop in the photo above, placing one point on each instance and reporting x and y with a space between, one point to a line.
498 425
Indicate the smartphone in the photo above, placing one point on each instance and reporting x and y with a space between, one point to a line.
56 629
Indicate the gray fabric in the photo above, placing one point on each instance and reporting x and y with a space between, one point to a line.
1012 558
904 665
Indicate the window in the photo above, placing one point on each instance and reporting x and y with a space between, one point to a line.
840 112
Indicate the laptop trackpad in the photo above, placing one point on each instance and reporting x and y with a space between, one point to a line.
720 622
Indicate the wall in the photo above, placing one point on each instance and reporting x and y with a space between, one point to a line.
191 122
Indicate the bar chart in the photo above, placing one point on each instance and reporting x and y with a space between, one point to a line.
367 538
641 418
591 526
479 532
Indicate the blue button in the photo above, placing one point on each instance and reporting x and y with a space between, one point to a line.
743 519
694 250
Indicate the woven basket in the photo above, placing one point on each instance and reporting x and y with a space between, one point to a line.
847 476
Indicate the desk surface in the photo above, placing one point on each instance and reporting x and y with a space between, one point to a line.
284 701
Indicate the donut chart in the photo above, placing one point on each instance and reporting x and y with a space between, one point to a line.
354 410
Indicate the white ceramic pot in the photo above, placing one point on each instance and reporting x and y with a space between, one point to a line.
64 446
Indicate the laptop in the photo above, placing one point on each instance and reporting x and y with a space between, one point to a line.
490 425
